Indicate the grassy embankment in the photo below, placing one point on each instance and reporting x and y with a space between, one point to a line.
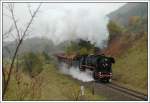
131 68
48 85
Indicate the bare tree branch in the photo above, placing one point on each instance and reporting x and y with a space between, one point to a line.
4 77
11 7
35 12
4 14
29 8
5 35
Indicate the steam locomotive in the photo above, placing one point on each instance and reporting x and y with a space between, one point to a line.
101 65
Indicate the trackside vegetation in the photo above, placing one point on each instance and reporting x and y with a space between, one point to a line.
131 68
42 80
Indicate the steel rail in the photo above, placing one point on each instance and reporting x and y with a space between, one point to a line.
128 91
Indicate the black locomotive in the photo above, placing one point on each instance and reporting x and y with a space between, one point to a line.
101 65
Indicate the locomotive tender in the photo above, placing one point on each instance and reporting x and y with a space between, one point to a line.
101 65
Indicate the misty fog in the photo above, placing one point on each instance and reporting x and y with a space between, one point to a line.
64 21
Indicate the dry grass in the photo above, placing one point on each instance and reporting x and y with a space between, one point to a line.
48 85
131 68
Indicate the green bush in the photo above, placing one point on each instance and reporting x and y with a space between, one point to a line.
47 58
83 51
32 63
81 47
72 47
114 29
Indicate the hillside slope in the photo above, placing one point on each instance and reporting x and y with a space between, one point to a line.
123 14
130 68
129 47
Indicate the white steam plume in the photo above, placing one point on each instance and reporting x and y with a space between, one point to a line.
87 23
85 76
64 21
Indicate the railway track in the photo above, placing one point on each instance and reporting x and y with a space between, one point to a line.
133 93
115 92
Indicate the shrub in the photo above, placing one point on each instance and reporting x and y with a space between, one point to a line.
32 63
114 30
46 57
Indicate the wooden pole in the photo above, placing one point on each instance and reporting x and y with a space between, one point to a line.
93 86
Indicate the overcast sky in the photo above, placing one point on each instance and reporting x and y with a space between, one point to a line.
65 21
